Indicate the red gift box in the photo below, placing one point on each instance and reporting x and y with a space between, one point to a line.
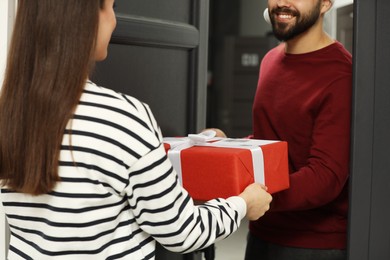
209 171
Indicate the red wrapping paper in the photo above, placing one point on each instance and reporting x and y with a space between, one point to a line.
218 172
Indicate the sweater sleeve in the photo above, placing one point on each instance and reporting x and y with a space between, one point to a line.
324 176
165 210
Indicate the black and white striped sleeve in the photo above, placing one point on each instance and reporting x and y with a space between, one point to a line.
165 210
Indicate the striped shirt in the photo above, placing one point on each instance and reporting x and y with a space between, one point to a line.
118 192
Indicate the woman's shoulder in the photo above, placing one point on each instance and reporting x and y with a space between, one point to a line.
102 96
94 91
114 105
117 110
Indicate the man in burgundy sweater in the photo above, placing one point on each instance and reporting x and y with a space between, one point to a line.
304 98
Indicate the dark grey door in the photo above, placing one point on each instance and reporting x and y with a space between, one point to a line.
369 237
158 54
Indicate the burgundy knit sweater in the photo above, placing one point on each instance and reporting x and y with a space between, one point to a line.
305 99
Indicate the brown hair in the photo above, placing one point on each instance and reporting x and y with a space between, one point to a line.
49 60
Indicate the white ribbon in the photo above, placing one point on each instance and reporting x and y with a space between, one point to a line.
179 144
204 138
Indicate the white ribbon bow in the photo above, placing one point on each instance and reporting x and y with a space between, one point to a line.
179 144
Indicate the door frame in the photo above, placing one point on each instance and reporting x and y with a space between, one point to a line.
369 234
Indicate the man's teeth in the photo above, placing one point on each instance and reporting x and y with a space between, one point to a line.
285 16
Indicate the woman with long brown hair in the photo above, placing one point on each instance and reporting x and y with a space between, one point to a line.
82 168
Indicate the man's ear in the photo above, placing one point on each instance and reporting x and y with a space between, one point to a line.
326 5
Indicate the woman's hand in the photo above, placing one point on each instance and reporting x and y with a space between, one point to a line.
257 200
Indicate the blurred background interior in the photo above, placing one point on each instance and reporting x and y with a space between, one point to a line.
238 39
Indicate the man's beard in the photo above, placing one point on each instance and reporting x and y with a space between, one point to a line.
303 22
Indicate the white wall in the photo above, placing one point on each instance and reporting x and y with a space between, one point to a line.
340 3
7 16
